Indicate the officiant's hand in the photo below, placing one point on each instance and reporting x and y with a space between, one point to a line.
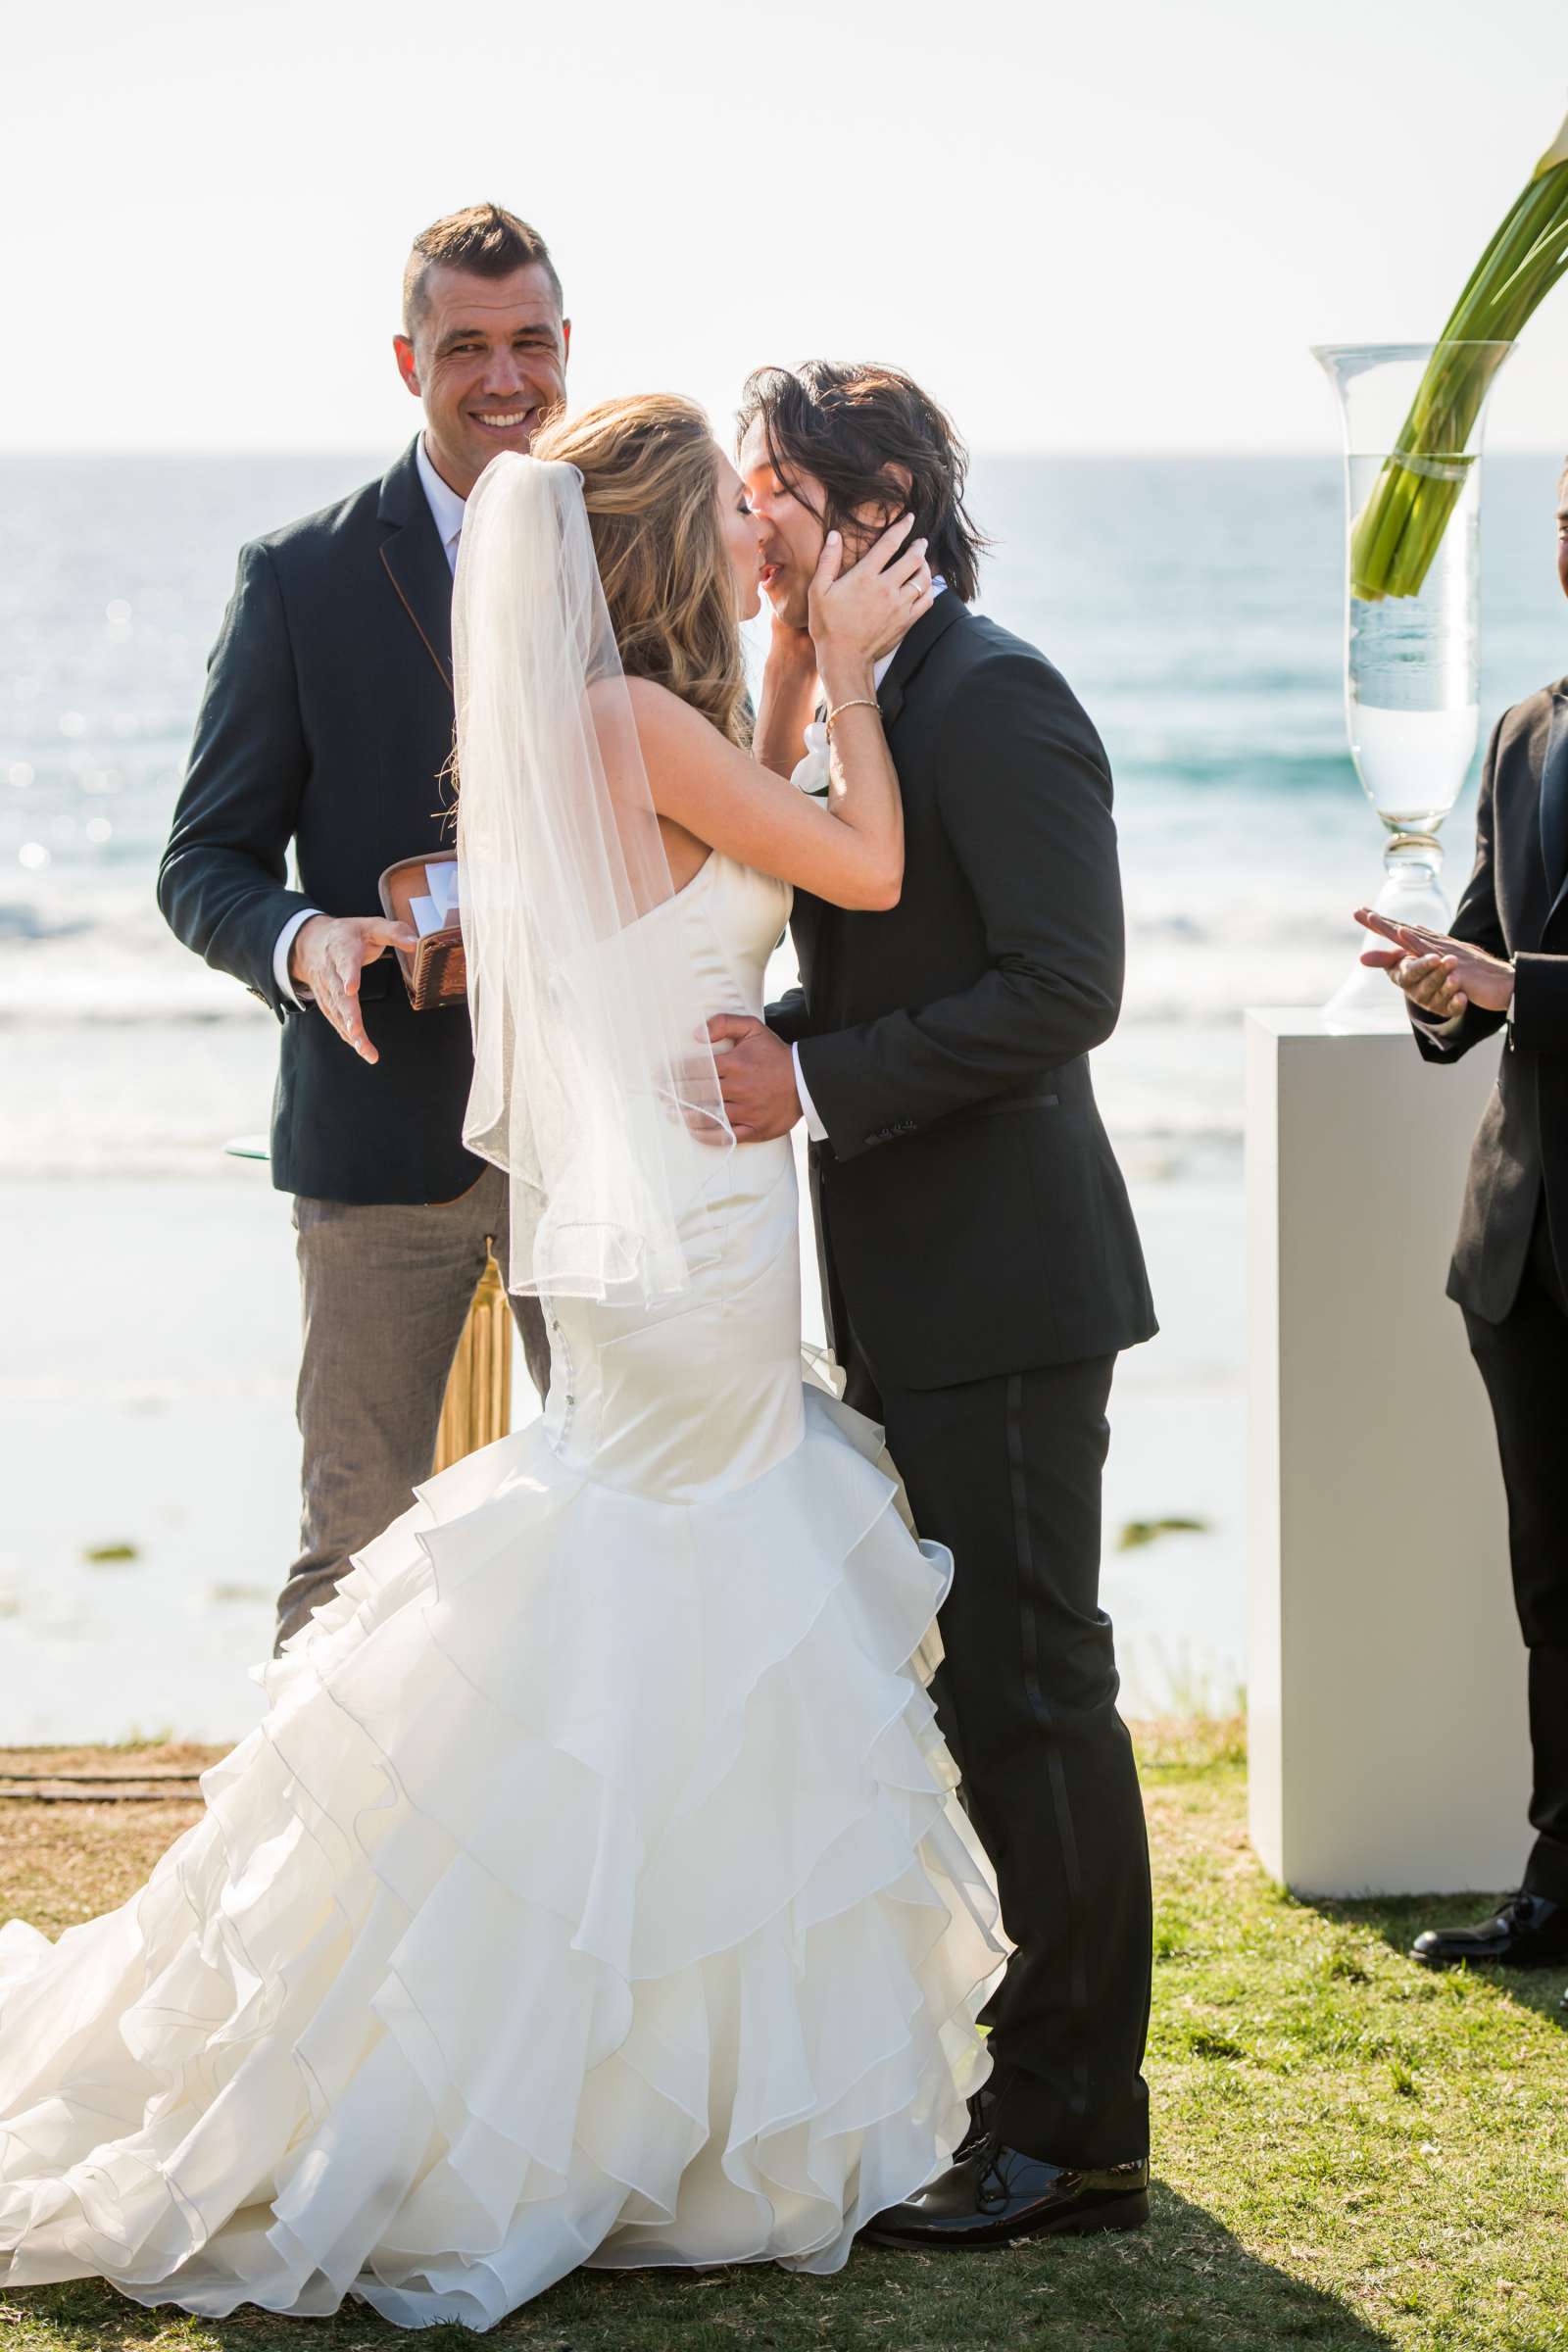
757 1078
1440 974
326 958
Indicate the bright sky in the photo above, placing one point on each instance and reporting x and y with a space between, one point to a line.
1103 227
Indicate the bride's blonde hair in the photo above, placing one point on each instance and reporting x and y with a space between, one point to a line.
652 492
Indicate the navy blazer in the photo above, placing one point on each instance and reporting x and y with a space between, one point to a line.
327 724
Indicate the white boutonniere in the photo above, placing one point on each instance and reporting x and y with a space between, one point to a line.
814 773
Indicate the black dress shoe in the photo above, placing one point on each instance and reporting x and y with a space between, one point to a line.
993 2195
1528 1931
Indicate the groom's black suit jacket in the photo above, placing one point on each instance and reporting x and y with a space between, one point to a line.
971 1218
327 722
1516 905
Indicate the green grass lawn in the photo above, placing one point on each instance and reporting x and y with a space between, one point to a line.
1348 2152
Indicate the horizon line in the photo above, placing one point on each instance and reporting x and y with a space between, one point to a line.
1105 452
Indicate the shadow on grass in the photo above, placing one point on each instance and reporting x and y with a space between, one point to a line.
1184 2284
1399 1919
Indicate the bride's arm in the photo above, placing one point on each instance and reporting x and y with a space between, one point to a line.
788 699
848 849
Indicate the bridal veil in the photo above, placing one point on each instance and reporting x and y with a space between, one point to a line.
592 1067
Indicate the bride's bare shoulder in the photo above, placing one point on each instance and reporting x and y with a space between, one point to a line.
666 726
650 704
658 706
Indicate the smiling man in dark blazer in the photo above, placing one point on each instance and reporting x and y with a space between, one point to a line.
325 727
980 1264
1505 965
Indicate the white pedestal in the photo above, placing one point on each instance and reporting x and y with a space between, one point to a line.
1386 1682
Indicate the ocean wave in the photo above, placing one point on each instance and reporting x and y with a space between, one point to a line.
23 919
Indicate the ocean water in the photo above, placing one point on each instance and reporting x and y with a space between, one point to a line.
1193 605
1196 605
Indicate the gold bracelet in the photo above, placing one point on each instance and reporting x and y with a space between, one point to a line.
857 701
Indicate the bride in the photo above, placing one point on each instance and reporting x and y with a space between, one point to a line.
592 1891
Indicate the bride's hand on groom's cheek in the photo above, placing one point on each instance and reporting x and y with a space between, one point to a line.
860 614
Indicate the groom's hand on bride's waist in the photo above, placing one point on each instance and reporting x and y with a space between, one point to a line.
326 958
756 1076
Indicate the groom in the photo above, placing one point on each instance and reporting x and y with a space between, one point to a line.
325 727
980 1265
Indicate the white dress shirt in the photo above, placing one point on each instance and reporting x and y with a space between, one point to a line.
447 510
444 503
813 1124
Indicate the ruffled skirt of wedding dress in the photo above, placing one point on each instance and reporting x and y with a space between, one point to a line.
592 1892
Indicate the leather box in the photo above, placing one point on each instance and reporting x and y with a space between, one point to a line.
433 973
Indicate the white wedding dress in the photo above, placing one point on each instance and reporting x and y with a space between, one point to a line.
592 1891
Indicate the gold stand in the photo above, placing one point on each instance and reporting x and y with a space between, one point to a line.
477 1408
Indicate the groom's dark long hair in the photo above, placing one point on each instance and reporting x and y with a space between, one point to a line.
857 431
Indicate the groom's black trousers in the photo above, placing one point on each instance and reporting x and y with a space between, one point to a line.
1006 1472
1521 1360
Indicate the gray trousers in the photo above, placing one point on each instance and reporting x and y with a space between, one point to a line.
384 1293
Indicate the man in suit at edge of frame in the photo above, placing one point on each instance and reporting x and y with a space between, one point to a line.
1505 964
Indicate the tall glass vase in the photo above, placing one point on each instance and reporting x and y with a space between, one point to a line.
1412 638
